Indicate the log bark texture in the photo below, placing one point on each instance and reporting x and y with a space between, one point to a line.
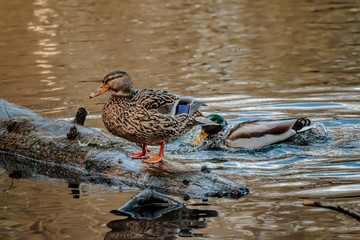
35 144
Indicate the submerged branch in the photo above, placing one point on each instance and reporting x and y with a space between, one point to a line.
346 211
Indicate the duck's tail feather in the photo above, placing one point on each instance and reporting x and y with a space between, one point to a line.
302 125
195 106
186 104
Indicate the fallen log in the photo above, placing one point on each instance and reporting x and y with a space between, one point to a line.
39 145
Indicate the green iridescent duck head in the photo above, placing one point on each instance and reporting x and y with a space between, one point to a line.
211 129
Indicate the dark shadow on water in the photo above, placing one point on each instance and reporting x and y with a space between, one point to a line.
19 174
175 224
22 174
75 189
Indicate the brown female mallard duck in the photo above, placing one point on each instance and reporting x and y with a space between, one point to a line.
251 134
146 116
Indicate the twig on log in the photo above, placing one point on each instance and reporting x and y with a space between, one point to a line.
346 211
11 126
7 112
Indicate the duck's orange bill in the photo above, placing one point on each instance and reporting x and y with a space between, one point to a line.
103 88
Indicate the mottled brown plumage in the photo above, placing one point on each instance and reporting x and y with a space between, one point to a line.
137 120
144 116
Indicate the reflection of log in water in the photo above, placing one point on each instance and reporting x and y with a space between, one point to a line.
35 144
178 223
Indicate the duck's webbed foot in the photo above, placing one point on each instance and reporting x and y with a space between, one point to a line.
159 157
153 159
141 155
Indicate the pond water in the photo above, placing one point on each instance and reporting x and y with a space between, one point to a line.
247 59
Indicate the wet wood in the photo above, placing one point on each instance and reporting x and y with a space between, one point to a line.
346 211
37 145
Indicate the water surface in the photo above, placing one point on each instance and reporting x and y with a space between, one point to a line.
247 59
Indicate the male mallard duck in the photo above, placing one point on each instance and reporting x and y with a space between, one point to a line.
252 134
146 116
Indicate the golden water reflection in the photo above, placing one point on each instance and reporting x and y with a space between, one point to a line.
191 48
48 48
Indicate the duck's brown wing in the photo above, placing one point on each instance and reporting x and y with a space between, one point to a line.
160 100
165 102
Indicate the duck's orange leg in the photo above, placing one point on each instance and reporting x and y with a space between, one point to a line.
140 155
159 157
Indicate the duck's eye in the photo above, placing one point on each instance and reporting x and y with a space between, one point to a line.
212 118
